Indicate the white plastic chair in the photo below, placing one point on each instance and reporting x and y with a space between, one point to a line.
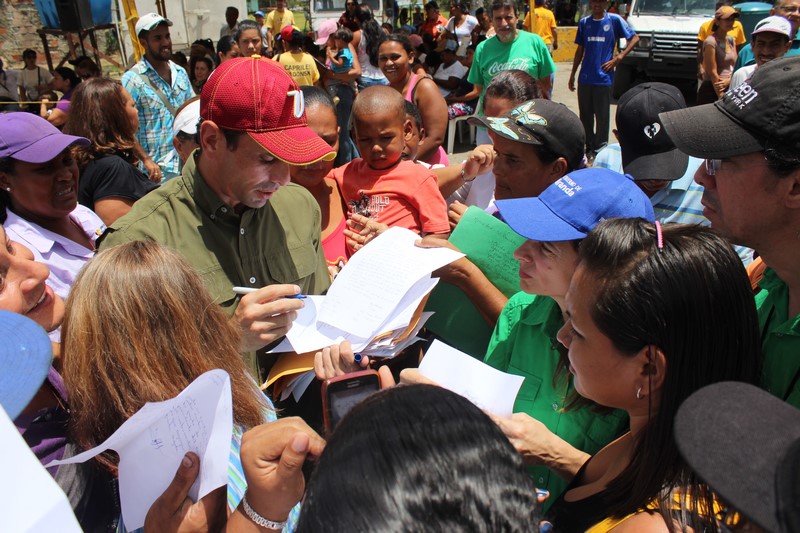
451 132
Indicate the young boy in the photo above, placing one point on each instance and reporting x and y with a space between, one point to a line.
380 185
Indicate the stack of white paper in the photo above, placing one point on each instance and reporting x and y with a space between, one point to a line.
373 302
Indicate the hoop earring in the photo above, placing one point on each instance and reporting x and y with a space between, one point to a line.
8 189
639 393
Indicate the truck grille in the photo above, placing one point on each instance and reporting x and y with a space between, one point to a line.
675 43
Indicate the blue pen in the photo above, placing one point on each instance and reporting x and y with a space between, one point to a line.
248 290
357 358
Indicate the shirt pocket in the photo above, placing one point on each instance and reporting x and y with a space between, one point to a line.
220 287
296 266
526 397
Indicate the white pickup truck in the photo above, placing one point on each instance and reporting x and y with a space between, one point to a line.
667 47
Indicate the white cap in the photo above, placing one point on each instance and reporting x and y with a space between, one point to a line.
149 21
186 120
774 24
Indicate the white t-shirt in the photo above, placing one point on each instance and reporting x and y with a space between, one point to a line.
31 79
456 70
463 33
742 74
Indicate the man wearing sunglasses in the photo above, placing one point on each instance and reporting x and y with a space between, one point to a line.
750 140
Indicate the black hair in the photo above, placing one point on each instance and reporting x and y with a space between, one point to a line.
480 11
646 295
69 74
516 86
404 41
412 111
371 32
233 9
344 34
298 39
780 160
461 5
387 26
28 52
246 25
231 138
432 5
225 44
315 96
434 462
501 4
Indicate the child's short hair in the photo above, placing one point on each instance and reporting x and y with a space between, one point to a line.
344 34
379 99
412 112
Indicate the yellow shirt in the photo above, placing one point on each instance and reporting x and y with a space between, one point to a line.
300 66
737 32
277 21
544 23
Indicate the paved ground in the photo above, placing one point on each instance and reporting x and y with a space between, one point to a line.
560 94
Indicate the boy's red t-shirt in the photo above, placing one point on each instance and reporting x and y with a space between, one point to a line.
405 195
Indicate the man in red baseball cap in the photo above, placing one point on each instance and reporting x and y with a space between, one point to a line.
233 213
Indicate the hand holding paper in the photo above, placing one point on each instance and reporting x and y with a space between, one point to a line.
152 443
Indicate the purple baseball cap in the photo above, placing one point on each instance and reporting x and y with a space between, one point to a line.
569 208
32 139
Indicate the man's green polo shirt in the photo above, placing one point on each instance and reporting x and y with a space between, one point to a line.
524 343
780 339
278 243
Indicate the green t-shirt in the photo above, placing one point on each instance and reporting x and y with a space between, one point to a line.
780 339
527 52
278 243
523 344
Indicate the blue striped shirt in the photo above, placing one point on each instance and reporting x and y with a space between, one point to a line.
155 120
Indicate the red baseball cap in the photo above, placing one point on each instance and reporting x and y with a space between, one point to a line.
287 32
257 96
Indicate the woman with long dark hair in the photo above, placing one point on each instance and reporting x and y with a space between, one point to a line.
110 182
638 339
366 41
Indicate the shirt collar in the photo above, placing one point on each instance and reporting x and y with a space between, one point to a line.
206 199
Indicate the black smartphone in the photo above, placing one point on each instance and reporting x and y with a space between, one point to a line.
342 393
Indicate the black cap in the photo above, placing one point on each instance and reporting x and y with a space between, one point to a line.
745 444
762 111
647 151
543 123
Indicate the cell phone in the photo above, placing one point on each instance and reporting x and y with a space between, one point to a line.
342 393
322 66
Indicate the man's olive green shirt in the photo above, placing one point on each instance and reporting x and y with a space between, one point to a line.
277 243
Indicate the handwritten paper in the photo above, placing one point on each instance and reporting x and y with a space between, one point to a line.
152 443
488 388
30 499
369 287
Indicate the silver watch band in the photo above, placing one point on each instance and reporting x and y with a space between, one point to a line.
258 519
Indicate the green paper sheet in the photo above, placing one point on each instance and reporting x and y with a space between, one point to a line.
489 243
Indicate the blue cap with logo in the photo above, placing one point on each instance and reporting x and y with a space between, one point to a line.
572 206
25 356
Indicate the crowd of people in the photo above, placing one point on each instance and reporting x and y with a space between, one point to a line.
657 312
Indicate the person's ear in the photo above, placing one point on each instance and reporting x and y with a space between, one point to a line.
212 140
793 189
652 365
408 129
558 168
4 181
422 133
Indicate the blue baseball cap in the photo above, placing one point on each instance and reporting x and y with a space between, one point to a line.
572 206
25 357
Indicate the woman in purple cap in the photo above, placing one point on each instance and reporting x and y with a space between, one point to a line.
39 195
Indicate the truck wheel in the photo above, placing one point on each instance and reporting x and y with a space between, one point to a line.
623 80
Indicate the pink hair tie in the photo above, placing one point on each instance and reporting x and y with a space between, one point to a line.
659 235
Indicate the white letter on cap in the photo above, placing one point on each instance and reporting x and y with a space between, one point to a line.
299 103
